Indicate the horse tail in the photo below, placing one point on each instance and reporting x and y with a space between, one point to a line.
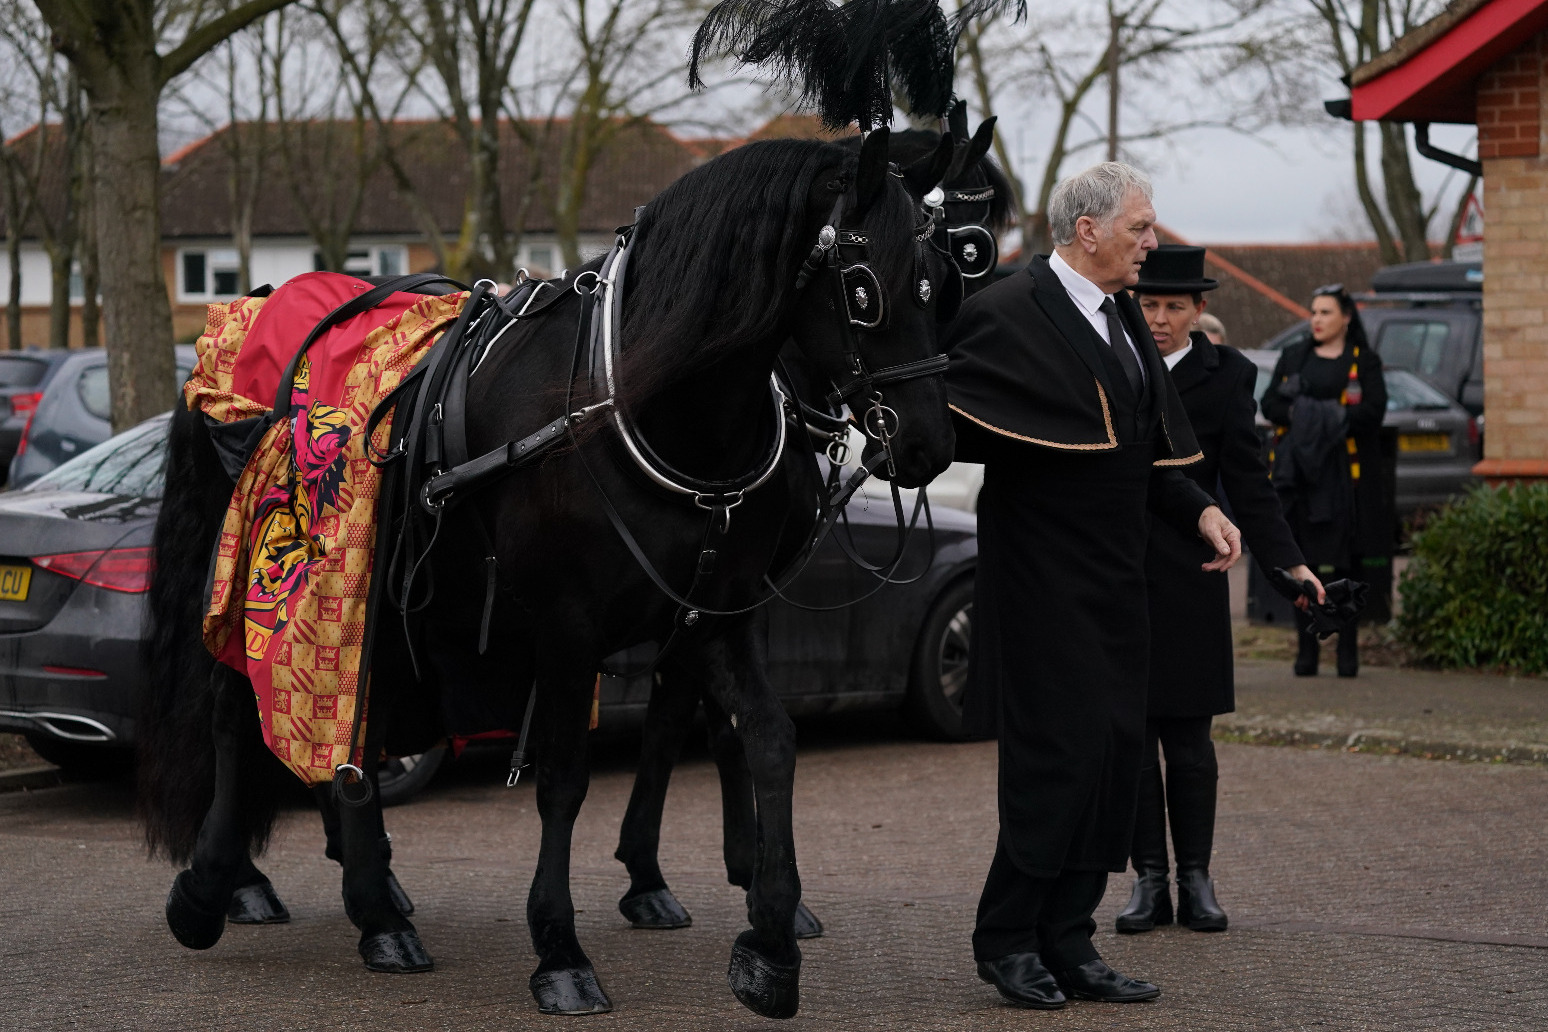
176 720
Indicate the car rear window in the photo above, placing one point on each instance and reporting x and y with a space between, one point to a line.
21 372
92 388
129 464
1407 393
1418 345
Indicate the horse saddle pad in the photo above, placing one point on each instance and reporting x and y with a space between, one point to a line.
292 569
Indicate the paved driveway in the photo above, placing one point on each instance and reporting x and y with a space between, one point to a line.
1365 893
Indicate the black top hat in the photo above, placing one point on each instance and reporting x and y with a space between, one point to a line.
1174 269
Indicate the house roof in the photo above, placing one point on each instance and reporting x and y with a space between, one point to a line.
1430 73
316 173
53 180
1264 287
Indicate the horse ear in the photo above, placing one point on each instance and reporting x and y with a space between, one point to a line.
871 176
983 139
956 120
927 173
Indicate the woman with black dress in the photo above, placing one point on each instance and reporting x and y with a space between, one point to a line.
1327 399
1191 657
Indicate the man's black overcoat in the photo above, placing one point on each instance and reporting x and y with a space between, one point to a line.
1060 647
1190 610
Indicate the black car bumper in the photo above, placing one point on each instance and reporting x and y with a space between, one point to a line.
77 677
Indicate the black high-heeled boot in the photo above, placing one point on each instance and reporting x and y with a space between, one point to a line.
1150 904
1190 792
1349 650
1307 646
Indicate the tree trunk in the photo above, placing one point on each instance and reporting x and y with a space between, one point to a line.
13 329
1389 250
91 285
61 258
1404 201
1114 24
127 173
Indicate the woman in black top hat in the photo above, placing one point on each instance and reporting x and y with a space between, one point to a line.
1190 611
1327 399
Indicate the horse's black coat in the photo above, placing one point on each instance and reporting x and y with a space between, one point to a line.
711 300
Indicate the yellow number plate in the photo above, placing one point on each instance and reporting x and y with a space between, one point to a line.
14 581
1424 442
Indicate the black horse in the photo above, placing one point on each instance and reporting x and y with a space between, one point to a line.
723 270
974 199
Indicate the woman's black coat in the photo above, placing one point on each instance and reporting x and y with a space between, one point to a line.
1370 533
1190 610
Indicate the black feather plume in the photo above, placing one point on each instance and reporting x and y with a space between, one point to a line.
972 10
835 58
922 47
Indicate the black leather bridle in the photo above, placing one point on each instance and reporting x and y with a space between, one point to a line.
841 257
970 243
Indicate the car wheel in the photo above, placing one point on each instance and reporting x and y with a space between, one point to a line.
938 675
400 778
85 759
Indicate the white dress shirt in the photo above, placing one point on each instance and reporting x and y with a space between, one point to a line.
1177 356
1088 297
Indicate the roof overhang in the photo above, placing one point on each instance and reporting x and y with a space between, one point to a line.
1438 81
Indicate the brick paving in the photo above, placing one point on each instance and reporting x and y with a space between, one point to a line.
1365 892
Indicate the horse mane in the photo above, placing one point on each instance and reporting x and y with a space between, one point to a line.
715 257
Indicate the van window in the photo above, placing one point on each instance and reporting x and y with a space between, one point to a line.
21 372
92 389
1416 345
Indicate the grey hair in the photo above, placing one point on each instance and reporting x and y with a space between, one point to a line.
1097 193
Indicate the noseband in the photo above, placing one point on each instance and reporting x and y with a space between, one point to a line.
861 300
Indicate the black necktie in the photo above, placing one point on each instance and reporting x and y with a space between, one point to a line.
1120 344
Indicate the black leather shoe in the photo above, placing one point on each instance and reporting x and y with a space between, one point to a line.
1023 980
1196 904
1149 905
1094 980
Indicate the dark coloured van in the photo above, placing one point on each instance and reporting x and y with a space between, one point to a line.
1427 318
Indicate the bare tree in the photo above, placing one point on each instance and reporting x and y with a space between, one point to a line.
1353 32
1227 53
126 52
44 171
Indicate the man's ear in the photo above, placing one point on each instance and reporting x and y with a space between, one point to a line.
1086 233
1203 304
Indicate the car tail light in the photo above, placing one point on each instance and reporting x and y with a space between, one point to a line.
27 403
21 443
1473 435
120 569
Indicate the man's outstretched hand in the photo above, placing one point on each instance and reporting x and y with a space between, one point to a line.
1222 536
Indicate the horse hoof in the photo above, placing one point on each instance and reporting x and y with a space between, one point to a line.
764 987
657 908
397 953
400 899
569 991
193 925
806 924
257 904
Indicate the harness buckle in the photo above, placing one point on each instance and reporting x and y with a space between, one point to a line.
431 505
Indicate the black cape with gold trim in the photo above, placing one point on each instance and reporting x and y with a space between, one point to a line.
1074 468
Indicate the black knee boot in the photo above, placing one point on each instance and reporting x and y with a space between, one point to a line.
1306 646
1151 902
1349 650
1190 794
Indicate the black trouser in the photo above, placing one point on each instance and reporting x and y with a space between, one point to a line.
1019 913
1188 791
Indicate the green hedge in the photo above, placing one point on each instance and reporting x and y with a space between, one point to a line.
1476 591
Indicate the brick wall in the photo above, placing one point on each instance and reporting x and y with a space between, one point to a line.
1515 339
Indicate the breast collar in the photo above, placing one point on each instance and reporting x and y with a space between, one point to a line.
603 360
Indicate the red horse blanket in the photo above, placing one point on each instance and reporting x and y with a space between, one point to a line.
288 607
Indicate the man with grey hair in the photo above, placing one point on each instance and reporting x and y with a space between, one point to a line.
1057 387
